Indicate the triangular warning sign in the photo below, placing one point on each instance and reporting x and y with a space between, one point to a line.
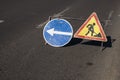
91 29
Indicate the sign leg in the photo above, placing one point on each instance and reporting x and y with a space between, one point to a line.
49 19
102 44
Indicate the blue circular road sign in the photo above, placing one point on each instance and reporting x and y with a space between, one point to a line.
58 32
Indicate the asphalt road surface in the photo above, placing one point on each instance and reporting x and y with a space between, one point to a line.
24 55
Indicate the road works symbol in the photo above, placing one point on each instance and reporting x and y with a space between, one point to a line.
58 32
91 29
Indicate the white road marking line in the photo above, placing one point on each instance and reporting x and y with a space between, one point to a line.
42 24
109 17
61 13
110 14
1 21
55 15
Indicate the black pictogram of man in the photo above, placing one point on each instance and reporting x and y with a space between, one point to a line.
90 29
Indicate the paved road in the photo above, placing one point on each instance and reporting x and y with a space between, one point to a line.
24 56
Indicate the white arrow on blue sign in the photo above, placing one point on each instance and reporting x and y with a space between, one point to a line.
58 32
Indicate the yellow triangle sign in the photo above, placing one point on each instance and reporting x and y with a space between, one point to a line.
91 29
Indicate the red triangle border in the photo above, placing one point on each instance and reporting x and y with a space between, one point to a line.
104 39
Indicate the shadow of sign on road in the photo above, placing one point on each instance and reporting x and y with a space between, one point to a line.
107 44
74 41
98 43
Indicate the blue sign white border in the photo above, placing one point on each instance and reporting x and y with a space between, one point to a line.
69 38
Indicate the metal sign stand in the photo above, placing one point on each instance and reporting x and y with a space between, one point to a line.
102 45
104 28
